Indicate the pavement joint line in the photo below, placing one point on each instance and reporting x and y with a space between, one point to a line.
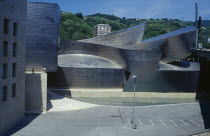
129 122
121 116
173 122
163 105
162 122
184 122
195 123
140 121
99 132
151 122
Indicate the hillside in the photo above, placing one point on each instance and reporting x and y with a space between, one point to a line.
77 27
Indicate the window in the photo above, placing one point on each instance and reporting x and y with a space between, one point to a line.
5 49
13 90
4 71
14 52
15 28
4 93
14 70
6 26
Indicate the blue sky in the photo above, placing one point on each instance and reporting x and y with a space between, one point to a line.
137 8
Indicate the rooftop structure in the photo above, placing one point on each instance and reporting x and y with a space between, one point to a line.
101 29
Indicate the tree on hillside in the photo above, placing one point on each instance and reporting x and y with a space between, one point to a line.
74 26
79 15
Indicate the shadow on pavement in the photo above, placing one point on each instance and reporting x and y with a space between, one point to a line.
29 117
50 97
205 112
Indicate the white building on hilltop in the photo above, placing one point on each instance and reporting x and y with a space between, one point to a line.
209 40
101 29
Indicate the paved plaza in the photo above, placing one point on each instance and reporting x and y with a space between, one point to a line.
67 117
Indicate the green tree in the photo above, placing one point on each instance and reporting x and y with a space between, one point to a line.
79 15
74 26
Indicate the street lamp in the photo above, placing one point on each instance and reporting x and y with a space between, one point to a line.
134 126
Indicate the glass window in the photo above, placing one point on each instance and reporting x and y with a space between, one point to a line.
5 49
13 90
6 26
4 71
4 93
15 28
14 53
14 70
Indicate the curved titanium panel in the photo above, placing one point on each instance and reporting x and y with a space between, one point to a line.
134 56
129 60
125 38
85 61
71 77
42 36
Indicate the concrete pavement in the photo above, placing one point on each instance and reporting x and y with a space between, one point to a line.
68 117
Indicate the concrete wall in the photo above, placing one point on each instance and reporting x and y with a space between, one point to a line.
36 92
12 110
42 37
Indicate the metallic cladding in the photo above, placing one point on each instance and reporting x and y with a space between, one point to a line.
85 61
150 59
70 77
125 38
42 36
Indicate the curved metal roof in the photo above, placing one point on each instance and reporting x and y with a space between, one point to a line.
125 49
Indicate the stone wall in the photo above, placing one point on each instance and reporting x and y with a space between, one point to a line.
12 86
36 92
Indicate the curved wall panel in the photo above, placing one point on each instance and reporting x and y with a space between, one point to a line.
140 58
42 29
68 77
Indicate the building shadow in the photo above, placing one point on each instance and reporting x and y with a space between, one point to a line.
58 79
203 93
33 101
62 93
205 112
29 117
49 104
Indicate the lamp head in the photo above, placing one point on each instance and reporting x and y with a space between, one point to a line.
134 76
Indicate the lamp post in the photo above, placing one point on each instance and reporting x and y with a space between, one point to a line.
134 126
196 25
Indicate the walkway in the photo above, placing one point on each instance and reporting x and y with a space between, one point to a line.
73 118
